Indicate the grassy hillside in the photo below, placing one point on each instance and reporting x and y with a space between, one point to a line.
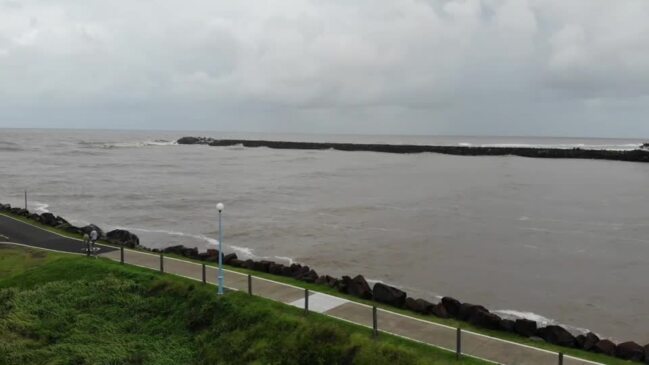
58 309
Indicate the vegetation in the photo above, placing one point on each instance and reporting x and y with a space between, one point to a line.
63 309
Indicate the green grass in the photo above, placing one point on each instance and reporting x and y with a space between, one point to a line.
325 289
64 309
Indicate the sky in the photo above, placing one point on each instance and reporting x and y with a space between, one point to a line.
459 67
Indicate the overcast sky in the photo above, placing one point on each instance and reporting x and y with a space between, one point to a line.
494 67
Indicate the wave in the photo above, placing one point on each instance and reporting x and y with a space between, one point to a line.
539 319
563 146
40 208
135 144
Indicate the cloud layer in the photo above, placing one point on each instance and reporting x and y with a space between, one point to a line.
500 67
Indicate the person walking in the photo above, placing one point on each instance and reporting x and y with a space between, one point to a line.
93 239
86 243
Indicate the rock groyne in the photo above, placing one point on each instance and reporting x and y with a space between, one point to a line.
637 155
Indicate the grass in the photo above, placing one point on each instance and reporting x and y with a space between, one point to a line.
65 309
449 322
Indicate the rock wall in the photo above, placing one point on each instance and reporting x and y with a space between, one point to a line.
638 155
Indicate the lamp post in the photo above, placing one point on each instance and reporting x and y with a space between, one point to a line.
220 207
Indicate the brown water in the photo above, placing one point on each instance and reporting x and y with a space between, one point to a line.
562 239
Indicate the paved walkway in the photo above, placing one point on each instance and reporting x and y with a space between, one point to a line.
473 344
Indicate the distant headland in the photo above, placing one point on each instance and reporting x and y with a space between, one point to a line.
641 154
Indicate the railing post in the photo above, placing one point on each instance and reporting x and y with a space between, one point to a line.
121 254
306 301
458 343
162 267
203 271
561 358
375 322
249 284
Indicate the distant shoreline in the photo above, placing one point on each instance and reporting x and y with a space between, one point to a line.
637 155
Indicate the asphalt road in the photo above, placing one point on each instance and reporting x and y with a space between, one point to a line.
15 231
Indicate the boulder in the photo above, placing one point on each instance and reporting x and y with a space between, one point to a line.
35 217
178 249
452 306
557 335
48 219
249 264
485 319
123 237
507 325
357 287
301 271
309 277
262 265
236 263
525 327
188 140
467 310
276 269
439 310
191 253
229 257
419 305
629 351
389 295
646 353
605 347
589 341
5 207
89 228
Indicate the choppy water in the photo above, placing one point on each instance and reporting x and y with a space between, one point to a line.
562 239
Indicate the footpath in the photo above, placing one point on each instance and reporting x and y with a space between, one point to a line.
472 344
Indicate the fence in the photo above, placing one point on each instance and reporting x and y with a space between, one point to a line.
378 320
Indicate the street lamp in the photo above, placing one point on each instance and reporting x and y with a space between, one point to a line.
220 207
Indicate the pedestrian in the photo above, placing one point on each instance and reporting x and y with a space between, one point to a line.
86 242
93 239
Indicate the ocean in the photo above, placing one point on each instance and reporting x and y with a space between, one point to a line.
560 241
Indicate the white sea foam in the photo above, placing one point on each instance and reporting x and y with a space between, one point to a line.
40 208
244 252
539 319
288 259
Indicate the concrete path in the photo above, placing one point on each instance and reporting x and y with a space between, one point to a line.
473 344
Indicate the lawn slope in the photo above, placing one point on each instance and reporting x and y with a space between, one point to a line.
63 309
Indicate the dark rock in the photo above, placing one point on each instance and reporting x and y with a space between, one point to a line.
301 271
61 220
389 295
507 325
191 253
605 347
484 319
418 305
48 219
286 270
452 306
73 229
580 339
188 140
309 277
262 265
590 340
89 228
467 310
357 287
229 257
5 207
276 269
646 354
236 263
525 327
629 351
123 237
321 280
440 310
35 217
249 264
178 249
557 335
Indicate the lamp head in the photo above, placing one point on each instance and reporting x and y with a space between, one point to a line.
220 207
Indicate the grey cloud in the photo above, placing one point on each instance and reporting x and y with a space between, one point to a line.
400 66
